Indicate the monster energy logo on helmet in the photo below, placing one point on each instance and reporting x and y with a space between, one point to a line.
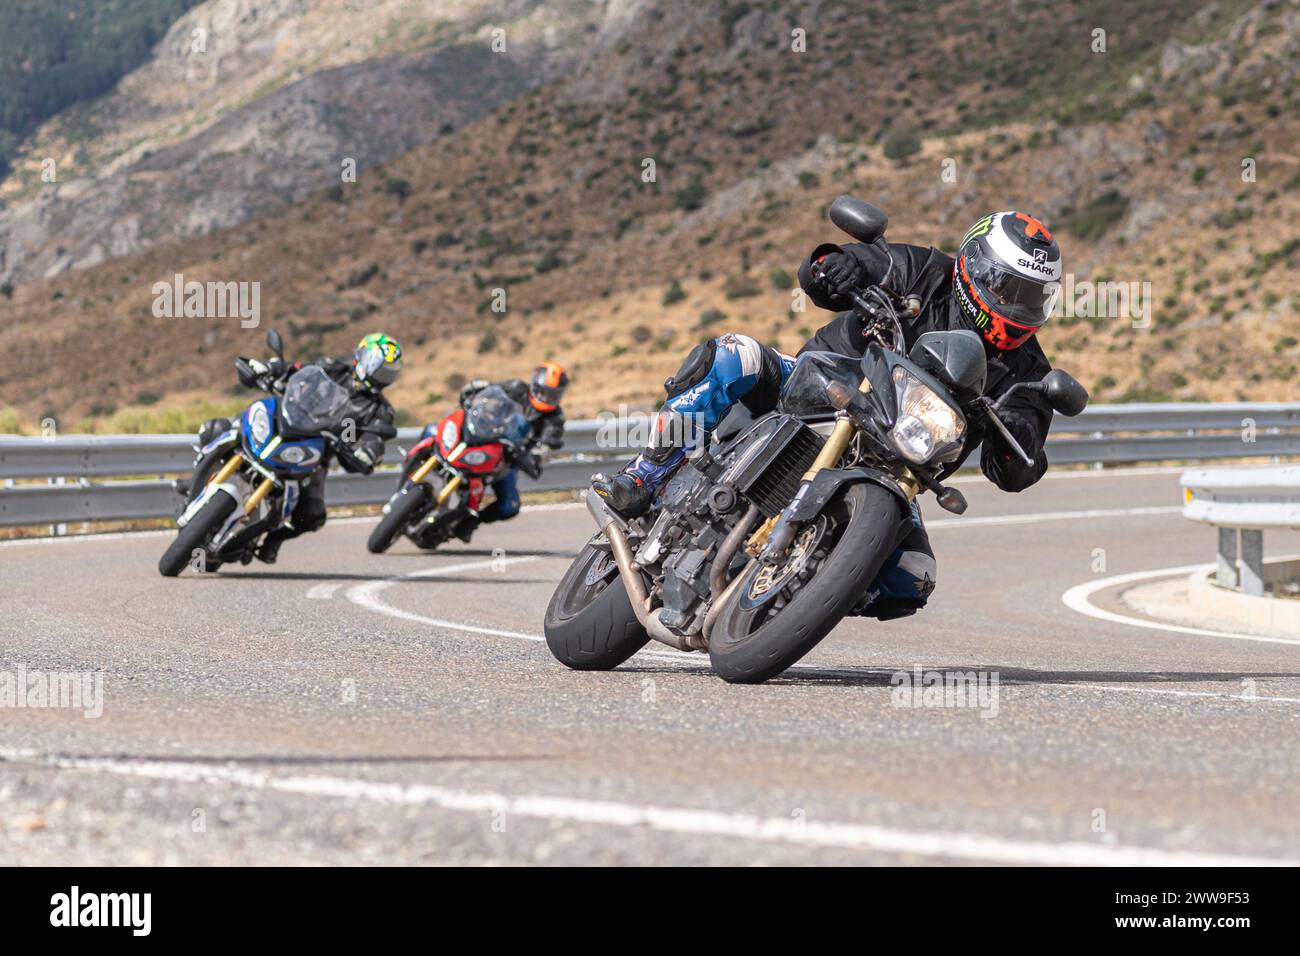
981 228
377 361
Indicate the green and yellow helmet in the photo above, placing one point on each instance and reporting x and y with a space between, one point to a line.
378 361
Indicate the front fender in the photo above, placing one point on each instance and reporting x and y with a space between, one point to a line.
828 482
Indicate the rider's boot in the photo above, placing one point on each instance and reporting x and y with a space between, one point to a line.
630 491
269 549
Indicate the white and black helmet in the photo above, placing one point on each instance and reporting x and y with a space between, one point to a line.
1007 277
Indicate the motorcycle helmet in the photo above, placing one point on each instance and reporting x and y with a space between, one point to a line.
377 361
1007 277
546 388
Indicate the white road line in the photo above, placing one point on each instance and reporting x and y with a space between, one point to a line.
964 522
323 591
1077 599
677 820
367 595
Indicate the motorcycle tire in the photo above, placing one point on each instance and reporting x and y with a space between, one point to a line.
404 508
197 533
591 627
873 526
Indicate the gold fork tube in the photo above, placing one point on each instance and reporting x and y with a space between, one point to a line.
447 489
260 492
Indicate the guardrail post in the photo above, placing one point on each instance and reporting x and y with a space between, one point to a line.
1252 563
1225 572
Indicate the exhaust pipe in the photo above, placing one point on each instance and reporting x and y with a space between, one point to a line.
612 529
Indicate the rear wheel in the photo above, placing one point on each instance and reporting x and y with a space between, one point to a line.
403 508
778 613
196 534
590 625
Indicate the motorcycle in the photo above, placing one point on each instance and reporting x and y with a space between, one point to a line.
445 476
759 545
251 475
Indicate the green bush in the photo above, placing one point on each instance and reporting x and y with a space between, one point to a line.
1096 218
674 293
691 196
900 144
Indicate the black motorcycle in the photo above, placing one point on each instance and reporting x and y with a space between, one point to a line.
759 546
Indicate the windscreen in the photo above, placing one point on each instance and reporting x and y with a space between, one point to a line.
495 416
805 391
312 400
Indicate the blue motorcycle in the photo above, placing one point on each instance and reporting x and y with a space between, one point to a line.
253 473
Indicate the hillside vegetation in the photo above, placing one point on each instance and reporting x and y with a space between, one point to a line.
1134 155
54 53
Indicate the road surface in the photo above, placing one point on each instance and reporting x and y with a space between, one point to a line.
342 708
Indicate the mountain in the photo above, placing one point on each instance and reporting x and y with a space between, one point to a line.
1162 152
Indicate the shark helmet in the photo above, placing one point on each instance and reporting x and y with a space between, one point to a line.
1007 277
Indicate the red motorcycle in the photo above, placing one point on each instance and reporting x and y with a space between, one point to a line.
445 476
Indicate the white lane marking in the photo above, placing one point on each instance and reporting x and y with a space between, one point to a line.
1257 698
964 522
1077 599
323 591
676 820
367 595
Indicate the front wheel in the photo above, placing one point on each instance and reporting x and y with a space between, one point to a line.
590 624
196 534
778 613
403 509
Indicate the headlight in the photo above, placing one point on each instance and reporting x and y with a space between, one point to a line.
926 423
259 423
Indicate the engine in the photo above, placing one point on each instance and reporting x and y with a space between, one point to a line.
707 497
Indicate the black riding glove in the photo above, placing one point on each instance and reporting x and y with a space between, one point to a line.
840 272
1002 465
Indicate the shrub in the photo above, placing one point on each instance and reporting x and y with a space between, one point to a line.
674 293
900 144
691 196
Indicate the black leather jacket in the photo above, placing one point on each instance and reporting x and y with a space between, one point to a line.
365 407
927 273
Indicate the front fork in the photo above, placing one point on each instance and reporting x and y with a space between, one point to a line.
227 472
774 536
448 487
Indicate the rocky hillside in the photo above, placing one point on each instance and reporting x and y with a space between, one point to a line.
249 104
1166 159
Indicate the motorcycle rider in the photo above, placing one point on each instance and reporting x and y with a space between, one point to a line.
1002 284
540 398
375 365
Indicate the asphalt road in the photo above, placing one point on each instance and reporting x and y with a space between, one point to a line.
342 708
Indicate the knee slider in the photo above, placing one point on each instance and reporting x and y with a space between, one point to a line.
694 370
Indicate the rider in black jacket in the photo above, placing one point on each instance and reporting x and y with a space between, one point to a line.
540 399
1002 285
376 364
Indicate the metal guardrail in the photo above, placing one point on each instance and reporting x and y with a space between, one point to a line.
1243 503
1104 434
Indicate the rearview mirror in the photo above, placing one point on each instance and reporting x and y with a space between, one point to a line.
1064 393
861 220
273 340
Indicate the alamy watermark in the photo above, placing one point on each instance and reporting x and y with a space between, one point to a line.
69 690
1085 299
662 429
919 688
178 298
